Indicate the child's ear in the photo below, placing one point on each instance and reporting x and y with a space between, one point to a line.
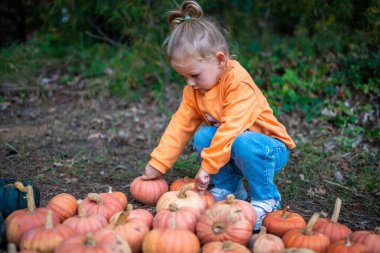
221 59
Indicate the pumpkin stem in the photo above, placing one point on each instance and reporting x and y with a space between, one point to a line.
129 207
30 199
186 179
377 230
230 199
284 213
183 190
11 248
95 197
20 186
109 189
122 219
218 228
227 245
81 209
89 240
172 222
347 241
309 227
173 207
335 215
49 220
263 230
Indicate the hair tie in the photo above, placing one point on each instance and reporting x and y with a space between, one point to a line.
187 17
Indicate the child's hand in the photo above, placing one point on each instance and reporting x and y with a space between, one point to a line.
150 173
202 179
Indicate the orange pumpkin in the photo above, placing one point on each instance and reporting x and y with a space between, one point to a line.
119 196
224 247
265 243
103 241
103 204
163 240
281 221
178 183
296 250
306 238
83 222
184 217
247 209
64 204
46 237
330 227
346 246
148 191
369 239
223 223
19 221
184 197
140 214
207 198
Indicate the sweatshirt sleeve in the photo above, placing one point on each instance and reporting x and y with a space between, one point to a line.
240 110
181 128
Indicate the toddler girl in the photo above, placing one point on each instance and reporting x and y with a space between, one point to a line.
242 137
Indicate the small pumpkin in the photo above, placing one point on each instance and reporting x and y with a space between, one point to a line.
119 196
307 238
64 204
346 246
178 183
103 204
46 237
330 227
140 214
368 238
265 243
148 191
224 247
157 240
281 221
13 195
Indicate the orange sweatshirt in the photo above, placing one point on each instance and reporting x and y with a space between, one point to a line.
236 103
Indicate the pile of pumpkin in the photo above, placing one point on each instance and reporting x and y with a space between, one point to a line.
186 220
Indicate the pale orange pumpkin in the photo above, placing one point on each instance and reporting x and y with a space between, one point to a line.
64 204
296 250
19 221
178 183
140 214
185 217
368 238
103 204
103 241
207 198
281 221
224 247
247 209
46 237
83 222
184 197
346 246
265 243
330 227
119 196
170 240
223 223
148 191
307 238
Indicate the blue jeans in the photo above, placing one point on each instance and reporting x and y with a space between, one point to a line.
255 156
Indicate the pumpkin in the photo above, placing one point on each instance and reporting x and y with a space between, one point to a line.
83 222
132 230
369 239
103 241
119 196
265 243
183 197
281 221
224 247
247 209
149 191
296 250
307 238
64 204
140 214
103 204
207 198
185 217
13 195
223 223
18 222
46 237
163 240
178 183
346 246
330 227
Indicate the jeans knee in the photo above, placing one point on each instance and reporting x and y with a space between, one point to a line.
246 145
203 138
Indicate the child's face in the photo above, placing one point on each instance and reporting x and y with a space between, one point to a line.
201 75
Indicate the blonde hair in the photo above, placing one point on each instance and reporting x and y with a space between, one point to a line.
193 35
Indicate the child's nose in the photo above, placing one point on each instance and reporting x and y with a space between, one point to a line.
190 82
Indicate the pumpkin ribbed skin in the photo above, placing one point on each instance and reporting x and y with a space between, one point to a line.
369 239
346 246
64 204
119 196
178 183
207 198
265 243
224 247
140 214
148 192
281 221
223 223
103 204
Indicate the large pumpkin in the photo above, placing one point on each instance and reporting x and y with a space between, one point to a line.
368 238
148 191
13 195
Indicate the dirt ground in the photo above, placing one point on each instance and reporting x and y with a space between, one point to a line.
65 141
